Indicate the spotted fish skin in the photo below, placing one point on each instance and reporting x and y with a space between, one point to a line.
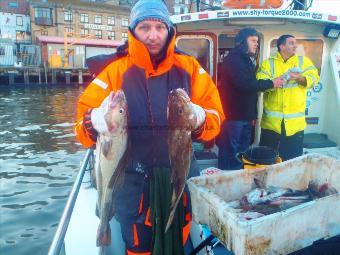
181 122
111 161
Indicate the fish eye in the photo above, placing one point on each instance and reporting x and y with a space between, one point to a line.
121 110
180 111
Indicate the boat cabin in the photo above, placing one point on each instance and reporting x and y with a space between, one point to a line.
209 36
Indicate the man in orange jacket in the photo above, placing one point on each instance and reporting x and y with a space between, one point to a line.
147 68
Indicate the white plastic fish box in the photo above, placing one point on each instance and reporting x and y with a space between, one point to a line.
279 233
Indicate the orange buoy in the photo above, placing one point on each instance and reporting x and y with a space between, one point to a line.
252 4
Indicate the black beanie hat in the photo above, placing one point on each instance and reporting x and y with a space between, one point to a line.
241 38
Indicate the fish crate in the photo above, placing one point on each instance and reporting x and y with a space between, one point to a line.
278 233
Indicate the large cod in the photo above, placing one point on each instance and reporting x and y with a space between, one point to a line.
181 122
111 160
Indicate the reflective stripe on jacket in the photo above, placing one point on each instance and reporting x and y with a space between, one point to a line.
288 103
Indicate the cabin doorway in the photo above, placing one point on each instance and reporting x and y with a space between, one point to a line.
226 42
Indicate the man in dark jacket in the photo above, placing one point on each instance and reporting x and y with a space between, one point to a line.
238 91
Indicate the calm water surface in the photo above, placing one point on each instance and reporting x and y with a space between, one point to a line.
39 160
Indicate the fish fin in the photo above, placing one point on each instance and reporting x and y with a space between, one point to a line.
118 177
106 146
104 238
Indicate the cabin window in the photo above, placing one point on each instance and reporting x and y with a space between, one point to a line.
311 48
198 47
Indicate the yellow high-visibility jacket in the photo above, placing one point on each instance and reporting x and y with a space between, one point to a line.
286 104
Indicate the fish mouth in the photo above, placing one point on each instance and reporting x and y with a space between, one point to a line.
117 98
179 94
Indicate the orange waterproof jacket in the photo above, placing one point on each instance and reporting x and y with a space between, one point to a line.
146 90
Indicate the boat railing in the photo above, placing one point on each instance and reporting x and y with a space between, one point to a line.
58 240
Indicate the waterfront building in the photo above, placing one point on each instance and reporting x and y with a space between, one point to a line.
71 31
15 32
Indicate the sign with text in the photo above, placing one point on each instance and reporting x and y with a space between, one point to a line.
98 27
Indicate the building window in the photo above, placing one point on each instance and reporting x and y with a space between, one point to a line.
97 19
84 18
69 31
124 36
110 20
68 16
20 21
125 22
2 51
44 32
43 16
98 34
111 35
177 9
84 32
20 35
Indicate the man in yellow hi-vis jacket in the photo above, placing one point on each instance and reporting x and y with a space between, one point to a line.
283 119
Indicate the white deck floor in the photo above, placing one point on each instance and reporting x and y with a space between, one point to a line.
81 234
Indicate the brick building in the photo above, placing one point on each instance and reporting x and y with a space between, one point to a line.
69 32
80 19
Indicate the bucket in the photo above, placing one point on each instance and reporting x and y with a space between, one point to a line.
258 156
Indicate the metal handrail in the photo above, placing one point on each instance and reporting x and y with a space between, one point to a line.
59 236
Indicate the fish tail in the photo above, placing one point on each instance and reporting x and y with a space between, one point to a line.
171 217
103 236
174 202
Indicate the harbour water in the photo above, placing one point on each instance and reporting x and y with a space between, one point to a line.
39 160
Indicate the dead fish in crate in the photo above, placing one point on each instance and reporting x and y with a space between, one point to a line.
181 122
271 199
111 160
261 196
323 190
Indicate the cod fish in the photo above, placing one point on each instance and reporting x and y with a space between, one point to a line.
111 160
181 121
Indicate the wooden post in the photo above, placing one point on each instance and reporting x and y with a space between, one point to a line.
26 77
45 70
54 76
11 76
68 77
80 77
39 75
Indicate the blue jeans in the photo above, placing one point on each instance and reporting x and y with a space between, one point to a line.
235 137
